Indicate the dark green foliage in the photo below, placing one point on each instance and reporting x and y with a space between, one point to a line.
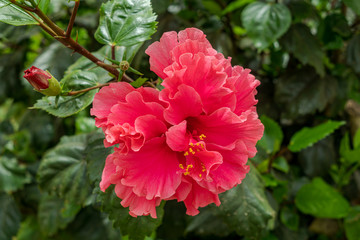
305 53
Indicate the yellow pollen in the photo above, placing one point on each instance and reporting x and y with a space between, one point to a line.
186 153
190 166
191 144
186 173
204 170
200 175
202 136
190 150
181 166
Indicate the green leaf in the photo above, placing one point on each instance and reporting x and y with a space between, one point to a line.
353 53
352 224
50 215
273 136
125 22
138 82
245 208
232 6
305 46
308 136
10 217
290 218
356 141
354 5
302 10
306 92
30 229
84 125
13 176
321 200
317 159
265 22
14 15
281 164
64 170
136 228
69 105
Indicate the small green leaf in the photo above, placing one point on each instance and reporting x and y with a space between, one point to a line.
10 216
232 6
290 218
281 164
136 228
273 136
321 200
125 22
352 223
69 105
50 216
138 82
265 22
13 175
305 46
354 5
306 137
14 15
356 141
64 170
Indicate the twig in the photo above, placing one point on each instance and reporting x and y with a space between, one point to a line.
113 57
72 93
72 19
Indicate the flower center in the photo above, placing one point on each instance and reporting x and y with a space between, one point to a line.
192 163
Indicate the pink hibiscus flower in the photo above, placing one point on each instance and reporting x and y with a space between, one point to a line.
189 142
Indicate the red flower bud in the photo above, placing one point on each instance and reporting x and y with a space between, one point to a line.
38 78
43 81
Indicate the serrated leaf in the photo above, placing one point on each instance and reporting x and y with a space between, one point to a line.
308 136
136 228
321 200
13 175
305 46
50 217
354 5
352 223
301 92
273 136
245 208
64 170
69 105
10 216
14 15
265 22
125 22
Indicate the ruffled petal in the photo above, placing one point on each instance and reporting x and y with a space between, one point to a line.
110 174
159 53
177 138
152 171
199 197
185 103
138 206
225 128
232 170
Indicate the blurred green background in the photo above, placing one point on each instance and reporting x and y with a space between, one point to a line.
306 53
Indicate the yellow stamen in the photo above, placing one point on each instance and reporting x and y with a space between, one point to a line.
200 175
186 153
181 166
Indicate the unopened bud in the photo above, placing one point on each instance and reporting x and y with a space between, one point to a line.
124 65
42 81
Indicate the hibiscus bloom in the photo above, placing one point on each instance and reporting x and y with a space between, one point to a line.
189 142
